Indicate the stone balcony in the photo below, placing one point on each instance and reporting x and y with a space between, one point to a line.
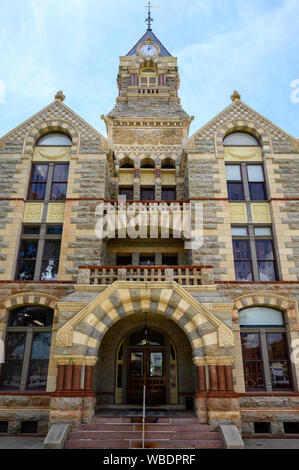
183 275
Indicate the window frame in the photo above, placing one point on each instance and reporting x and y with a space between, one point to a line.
252 243
29 332
48 184
245 181
41 239
262 331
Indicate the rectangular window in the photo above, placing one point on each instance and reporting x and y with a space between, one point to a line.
245 182
12 368
27 260
48 182
234 183
147 260
256 183
252 361
242 257
39 360
59 182
147 194
168 194
169 260
125 260
128 192
39 253
278 361
265 260
38 182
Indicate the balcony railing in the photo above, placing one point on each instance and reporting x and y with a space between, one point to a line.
183 275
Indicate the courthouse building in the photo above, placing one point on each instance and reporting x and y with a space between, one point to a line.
88 321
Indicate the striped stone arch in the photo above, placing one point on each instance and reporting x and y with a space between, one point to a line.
239 125
28 298
45 127
82 334
290 307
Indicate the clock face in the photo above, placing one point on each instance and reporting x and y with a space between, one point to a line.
148 49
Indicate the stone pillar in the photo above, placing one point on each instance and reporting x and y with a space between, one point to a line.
136 185
200 397
222 402
158 185
71 403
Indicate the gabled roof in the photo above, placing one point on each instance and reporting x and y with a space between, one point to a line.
149 33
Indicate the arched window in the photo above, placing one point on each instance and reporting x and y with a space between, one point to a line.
264 348
147 163
28 341
168 164
55 139
238 139
126 163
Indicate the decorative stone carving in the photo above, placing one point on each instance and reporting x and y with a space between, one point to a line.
235 96
33 212
51 153
65 336
242 153
55 212
260 212
238 213
60 96
225 337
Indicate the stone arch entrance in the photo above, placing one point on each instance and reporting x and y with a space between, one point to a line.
116 383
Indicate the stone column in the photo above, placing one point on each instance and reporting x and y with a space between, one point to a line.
71 403
222 402
136 185
200 397
158 185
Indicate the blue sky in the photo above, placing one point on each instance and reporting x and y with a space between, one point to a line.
221 45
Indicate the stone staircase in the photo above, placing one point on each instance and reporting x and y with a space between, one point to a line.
125 432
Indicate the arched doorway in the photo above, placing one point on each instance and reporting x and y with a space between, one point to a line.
158 356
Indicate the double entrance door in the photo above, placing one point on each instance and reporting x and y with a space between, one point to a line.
146 366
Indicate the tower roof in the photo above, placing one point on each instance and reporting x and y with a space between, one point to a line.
149 33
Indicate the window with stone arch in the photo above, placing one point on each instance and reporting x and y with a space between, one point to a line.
27 348
265 349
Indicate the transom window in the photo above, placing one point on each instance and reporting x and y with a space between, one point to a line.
28 342
238 139
55 139
48 182
265 350
39 252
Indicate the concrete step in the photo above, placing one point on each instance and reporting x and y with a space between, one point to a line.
148 419
137 444
148 435
149 427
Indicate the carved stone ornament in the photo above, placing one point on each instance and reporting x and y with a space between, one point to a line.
65 336
235 96
60 96
225 337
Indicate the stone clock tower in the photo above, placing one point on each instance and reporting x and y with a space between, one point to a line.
148 121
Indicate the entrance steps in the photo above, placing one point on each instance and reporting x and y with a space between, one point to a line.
125 432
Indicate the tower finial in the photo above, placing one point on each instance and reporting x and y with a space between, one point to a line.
149 18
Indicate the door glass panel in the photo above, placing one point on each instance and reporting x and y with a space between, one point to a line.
136 364
156 364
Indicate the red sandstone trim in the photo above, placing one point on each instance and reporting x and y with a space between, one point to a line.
73 394
12 393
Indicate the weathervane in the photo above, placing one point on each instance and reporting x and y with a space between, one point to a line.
149 19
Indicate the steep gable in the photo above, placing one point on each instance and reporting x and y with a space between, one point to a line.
203 139
91 141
